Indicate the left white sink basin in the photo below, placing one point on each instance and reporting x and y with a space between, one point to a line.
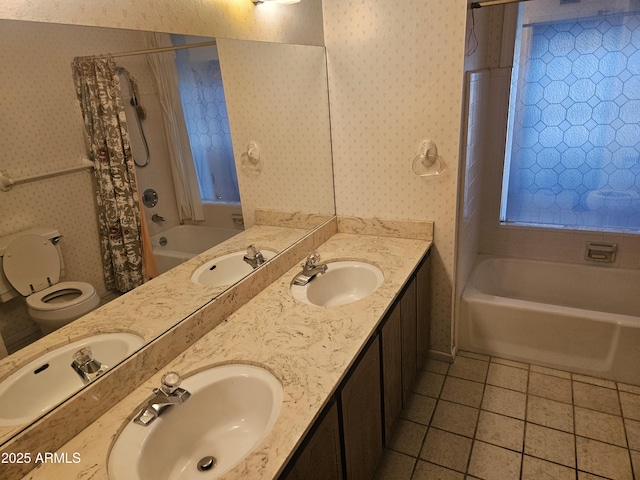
226 270
48 380
230 411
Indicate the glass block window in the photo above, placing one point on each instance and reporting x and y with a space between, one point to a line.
573 148
205 114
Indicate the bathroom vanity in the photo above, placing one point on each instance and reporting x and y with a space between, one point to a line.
344 369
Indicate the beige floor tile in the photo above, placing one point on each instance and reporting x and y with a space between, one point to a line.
600 426
407 437
436 366
429 471
630 405
504 402
419 409
428 383
550 413
446 449
395 466
537 469
510 363
455 418
547 386
603 459
469 369
494 463
550 371
549 444
623 387
508 377
633 433
477 356
601 382
635 460
500 430
459 390
596 398
588 476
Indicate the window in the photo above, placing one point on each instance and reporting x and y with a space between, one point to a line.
573 147
205 114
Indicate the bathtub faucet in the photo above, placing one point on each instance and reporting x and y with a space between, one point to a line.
254 257
157 218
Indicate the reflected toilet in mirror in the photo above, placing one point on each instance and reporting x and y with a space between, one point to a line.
31 266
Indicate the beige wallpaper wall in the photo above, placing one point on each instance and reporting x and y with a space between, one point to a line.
395 78
277 97
299 23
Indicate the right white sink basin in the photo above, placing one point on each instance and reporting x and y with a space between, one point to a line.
343 282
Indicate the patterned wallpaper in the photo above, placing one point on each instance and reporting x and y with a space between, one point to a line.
277 97
395 78
299 23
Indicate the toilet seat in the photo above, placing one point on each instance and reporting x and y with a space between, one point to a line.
31 263
43 300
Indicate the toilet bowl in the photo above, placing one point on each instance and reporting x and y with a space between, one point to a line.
32 265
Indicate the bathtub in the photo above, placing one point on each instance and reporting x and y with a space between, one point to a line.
179 244
580 318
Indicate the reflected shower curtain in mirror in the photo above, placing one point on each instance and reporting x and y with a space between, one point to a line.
98 89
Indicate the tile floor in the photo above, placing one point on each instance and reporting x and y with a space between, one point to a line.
493 419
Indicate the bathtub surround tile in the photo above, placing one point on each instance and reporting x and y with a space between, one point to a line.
549 444
428 383
465 392
505 402
446 449
469 369
600 426
500 430
508 377
550 413
419 409
395 466
455 418
494 463
407 437
630 405
429 471
603 459
596 398
552 387
632 428
537 469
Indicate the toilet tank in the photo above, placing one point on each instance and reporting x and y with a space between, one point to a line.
7 292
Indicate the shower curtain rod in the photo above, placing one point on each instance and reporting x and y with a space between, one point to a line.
153 50
491 3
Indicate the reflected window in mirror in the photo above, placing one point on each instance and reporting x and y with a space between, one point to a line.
207 122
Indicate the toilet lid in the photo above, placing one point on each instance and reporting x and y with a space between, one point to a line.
31 263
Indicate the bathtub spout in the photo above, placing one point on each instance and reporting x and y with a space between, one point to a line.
157 218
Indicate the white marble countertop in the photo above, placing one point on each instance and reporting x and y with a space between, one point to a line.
308 348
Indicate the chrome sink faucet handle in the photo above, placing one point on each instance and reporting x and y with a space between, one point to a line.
254 257
86 366
310 268
164 397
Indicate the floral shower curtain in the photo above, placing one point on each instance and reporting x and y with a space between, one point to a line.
98 89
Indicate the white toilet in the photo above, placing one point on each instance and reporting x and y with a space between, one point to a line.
31 265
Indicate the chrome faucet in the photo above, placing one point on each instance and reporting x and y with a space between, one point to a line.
310 269
254 257
157 218
87 367
167 395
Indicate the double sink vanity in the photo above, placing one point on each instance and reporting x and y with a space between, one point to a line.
277 377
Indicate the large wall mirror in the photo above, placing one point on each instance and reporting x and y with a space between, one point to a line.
272 98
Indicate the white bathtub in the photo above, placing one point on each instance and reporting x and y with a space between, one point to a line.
580 318
186 241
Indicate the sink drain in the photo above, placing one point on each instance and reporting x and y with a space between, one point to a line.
207 463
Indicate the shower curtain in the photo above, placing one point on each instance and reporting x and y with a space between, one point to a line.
98 89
